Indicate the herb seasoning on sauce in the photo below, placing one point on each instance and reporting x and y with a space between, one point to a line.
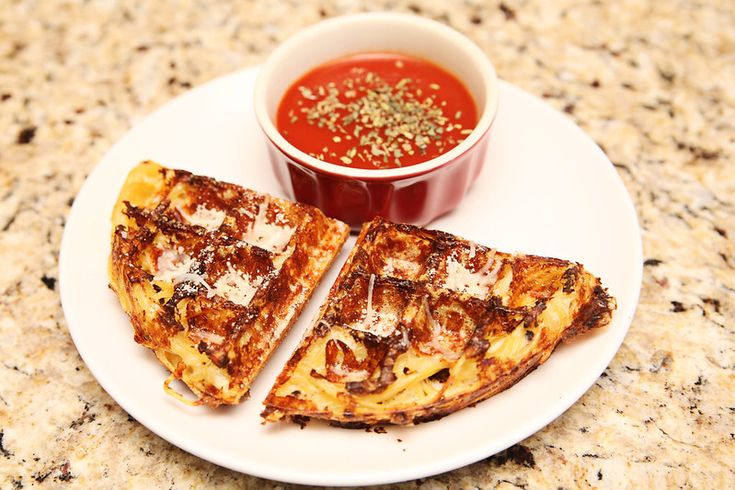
376 110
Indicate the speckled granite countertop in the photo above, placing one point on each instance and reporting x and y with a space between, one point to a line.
651 81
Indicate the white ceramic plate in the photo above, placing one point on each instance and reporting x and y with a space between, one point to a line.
546 189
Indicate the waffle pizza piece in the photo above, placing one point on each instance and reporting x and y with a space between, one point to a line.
213 275
421 323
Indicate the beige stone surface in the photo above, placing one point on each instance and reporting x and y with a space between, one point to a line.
653 82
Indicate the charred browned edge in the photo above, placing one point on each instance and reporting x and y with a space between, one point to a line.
447 407
351 425
595 313
443 408
378 224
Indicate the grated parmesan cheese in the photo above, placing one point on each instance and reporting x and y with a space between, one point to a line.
268 236
208 218
172 264
369 313
476 284
436 333
377 321
401 267
191 277
236 287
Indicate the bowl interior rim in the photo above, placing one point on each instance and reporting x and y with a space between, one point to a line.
432 28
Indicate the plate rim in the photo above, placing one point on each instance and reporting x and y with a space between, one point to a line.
275 471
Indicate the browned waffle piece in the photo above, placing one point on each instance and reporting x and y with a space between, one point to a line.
213 275
422 323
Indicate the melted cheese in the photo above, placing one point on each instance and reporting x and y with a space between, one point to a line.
268 236
236 287
208 218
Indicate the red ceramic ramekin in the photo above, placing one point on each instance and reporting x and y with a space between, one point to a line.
413 194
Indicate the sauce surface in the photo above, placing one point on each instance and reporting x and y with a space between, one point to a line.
376 110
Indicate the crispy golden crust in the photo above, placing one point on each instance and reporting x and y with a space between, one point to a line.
213 275
421 323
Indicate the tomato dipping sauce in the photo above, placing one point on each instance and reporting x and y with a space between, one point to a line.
376 111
